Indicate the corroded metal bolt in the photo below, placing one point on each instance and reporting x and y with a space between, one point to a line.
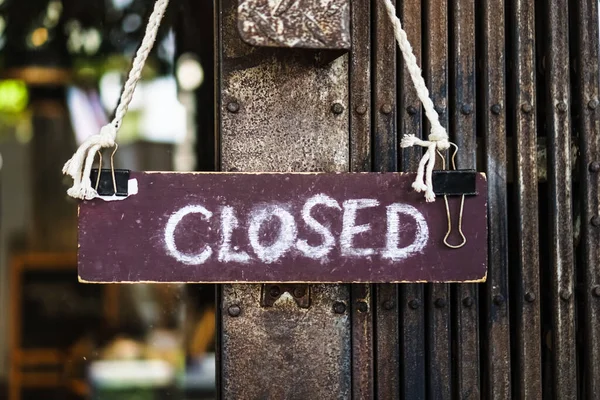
233 107
468 302
562 106
414 304
498 299
274 291
412 110
466 109
440 303
386 108
362 306
337 108
526 108
593 104
388 305
565 295
234 310
530 297
594 166
496 108
339 307
595 221
596 291
361 109
299 292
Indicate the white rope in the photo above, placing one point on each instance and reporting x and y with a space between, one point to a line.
438 138
79 166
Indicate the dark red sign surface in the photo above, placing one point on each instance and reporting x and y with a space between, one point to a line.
292 227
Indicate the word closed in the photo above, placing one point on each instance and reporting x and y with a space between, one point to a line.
225 227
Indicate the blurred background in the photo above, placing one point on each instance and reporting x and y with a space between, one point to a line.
62 66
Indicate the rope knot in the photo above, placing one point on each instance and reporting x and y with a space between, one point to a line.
79 167
107 135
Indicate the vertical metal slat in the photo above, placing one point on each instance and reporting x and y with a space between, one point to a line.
564 362
465 297
526 296
496 368
588 125
411 305
360 161
438 295
384 158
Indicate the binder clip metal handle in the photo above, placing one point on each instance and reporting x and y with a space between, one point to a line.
110 182
454 183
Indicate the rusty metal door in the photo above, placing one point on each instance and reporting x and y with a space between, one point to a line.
516 84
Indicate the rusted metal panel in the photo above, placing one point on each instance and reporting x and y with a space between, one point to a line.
562 269
525 228
267 124
363 344
284 351
587 123
387 351
292 23
411 305
260 100
497 368
465 297
440 384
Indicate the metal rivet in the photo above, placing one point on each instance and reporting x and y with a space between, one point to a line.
594 166
496 108
526 108
468 302
498 299
361 109
596 291
388 305
530 297
299 292
411 110
274 291
562 106
466 109
337 108
565 295
414 304
595 221
234 310
440 303
386 108
362 306
339 307
233 107
593 104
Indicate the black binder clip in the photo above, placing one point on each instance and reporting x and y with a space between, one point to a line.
111 181
454 183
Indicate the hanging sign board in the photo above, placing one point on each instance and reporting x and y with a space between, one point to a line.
280 227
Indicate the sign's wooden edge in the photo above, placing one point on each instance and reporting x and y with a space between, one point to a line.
482 280
483 174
